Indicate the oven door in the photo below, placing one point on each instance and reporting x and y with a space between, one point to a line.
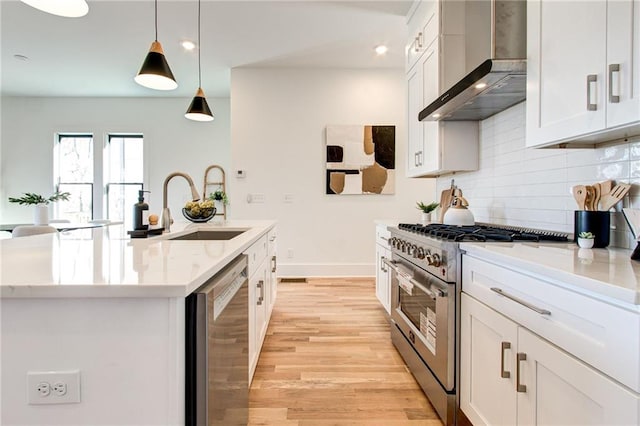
423 308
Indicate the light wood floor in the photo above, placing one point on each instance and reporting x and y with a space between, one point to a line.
328 360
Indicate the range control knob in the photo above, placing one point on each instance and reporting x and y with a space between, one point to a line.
434 260
419 253
411 249
391 241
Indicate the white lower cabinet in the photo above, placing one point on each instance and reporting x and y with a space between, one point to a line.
511 376
273 277
261 296
383 278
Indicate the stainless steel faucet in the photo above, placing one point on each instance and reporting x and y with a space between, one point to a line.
166 214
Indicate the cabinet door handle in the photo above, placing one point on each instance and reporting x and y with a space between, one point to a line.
592 79
504 374
260 285
382 263
614 69
418 43
520 301
415 159
273 259
520 387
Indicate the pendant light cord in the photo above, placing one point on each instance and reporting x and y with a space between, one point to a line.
156 18
199 49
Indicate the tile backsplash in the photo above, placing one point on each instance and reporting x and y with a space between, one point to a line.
528 187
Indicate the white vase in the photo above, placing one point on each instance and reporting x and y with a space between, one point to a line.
41 214
586 243
425 218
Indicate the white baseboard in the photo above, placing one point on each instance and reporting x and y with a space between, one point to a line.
294 270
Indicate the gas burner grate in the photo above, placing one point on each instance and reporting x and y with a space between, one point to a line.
483 232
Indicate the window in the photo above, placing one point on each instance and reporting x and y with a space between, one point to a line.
123 176
102 184
73 169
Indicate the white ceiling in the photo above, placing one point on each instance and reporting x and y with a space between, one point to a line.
100 53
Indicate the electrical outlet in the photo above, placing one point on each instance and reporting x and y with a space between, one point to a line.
53 387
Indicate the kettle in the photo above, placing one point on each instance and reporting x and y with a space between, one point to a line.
458 214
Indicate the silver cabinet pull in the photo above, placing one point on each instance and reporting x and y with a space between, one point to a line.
382 263
614 69
504 374
260 285
520 387
520 301
275 263
417 43
415 159
592 79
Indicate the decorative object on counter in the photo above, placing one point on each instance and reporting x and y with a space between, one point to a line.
199 211
221 186
446 197
67 8
595 222
153 219
41 209
155 72
632 216
585 240
458 214
141 213
360 160
166 213
220 196
199 109
426 211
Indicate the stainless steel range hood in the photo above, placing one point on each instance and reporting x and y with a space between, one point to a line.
499 82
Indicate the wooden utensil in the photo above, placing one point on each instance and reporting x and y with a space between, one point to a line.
588 202
596 197
580 194
605 187
612 198
445 201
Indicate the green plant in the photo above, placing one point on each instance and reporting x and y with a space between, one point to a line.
587 235
219 195
31 198
427 208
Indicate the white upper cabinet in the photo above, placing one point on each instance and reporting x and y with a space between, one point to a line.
435 54
583 80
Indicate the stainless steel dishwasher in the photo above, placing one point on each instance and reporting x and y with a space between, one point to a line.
217 352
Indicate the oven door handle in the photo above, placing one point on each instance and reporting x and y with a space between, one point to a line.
394 266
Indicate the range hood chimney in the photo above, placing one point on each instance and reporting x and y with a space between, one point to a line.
499 82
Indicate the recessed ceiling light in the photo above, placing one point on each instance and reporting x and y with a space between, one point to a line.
481 85
21 58
382 49
188 45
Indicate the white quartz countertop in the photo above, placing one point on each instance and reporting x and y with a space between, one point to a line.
106 262
609 273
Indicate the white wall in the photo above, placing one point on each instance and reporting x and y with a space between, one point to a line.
531 187
278 121
172 143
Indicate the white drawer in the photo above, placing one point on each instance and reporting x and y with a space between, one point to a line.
382 235
602 335
256 253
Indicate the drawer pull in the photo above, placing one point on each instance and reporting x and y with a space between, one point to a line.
520 387
260 285
592 103
504 374
520 301
614 85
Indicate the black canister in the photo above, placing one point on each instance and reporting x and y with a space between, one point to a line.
596 222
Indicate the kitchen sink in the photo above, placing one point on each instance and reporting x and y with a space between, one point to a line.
210 235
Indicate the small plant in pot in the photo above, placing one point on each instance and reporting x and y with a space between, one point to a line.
426 210
219 195
41 212
586 239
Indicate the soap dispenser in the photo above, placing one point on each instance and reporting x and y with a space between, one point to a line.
141 213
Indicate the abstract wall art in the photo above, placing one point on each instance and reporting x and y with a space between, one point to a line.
361 159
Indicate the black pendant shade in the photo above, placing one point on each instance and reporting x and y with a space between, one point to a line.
199 109
155 72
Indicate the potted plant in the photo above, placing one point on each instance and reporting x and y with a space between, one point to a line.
220 196
426 211
41 212
585 239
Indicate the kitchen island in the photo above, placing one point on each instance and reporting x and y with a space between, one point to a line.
111 307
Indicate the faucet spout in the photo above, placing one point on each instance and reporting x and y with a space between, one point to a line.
166 213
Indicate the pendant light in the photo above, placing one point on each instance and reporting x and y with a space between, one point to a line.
66 8
155 72
199 109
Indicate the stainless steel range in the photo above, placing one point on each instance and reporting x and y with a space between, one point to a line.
425 300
